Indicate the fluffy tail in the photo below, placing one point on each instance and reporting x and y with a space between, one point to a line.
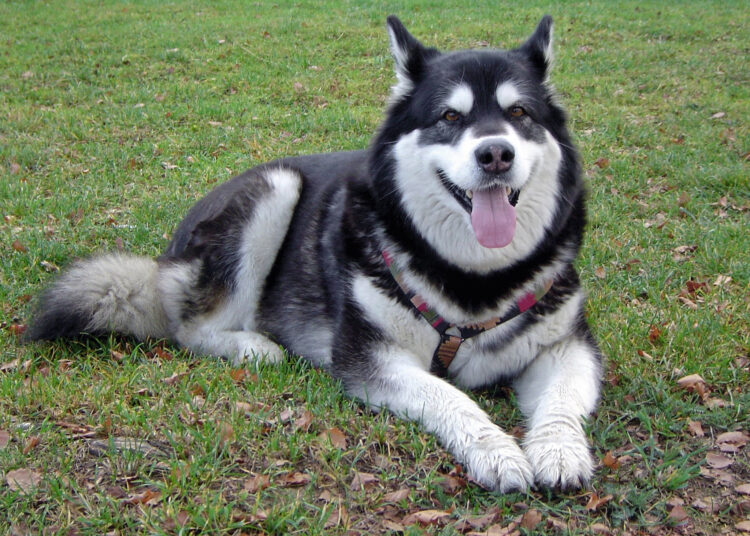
109 293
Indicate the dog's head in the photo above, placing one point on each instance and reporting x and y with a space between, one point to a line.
475 136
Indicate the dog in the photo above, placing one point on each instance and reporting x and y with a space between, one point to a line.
439 258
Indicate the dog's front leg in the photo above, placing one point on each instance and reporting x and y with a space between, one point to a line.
556 392
488 454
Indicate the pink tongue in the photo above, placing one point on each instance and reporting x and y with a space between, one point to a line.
493 218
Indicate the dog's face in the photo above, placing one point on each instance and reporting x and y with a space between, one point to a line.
472 132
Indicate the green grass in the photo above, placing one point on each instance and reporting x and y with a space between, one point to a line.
115 118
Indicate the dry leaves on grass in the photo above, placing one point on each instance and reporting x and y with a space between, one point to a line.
362 481
428 517
23 480
294 479
256 483
146 497
731 442
336 437
4 438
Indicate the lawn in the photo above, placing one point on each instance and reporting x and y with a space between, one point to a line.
116 116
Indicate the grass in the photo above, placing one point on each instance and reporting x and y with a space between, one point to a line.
117 117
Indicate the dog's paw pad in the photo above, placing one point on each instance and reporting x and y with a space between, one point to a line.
559 459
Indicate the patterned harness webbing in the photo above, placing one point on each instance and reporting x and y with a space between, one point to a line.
452 335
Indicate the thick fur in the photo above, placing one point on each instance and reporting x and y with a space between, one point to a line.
290 253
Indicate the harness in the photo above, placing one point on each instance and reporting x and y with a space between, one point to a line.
452 335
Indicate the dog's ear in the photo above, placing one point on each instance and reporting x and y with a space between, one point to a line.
408 54
538 47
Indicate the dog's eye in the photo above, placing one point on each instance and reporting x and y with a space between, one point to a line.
517 111
451 115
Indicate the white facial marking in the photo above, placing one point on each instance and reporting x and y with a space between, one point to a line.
507 95
461 99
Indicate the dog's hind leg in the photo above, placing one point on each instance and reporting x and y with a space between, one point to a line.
212 286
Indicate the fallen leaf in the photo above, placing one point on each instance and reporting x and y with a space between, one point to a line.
531 519
718 115
713 403
23 480
362 481
286 415
744 526
707 504
718 461
695 428
595 501
17 329
295 479
427 517
14 168
731 441
677 515
298 87
694 383
17 246
148 497
335 436
256 483
602 162
469 523
600 272
610 461
743 489
241 374
4 438
174 378
304 421
654 334
49 266
452 484
396 496
31 443
226 432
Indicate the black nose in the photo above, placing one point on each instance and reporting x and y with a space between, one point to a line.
495 156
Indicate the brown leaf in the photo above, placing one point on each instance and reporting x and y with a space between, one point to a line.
744 526
731 441
363 481
677 515
242 374
695 428
718 115
174 378
452 484
718 461
610 461
4 438
295 479
226 432
694 383
600 528
335 436
427 517
148 497
23 480
595 501
654 334
469 523
286 415
531 519
17 329
602 162
304 421
14 168
256 483
396 496
600 272
31 443
17 246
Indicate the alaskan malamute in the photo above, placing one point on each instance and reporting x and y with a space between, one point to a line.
441 256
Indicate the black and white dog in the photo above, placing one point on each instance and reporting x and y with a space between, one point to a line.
440 256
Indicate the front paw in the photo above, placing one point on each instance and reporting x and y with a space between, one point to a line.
496 462
560 456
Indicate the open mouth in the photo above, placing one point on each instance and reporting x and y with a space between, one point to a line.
464 197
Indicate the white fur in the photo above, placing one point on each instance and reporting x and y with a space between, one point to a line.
404 84
461 99
229 330
555 393
446 226
507 95
490 456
